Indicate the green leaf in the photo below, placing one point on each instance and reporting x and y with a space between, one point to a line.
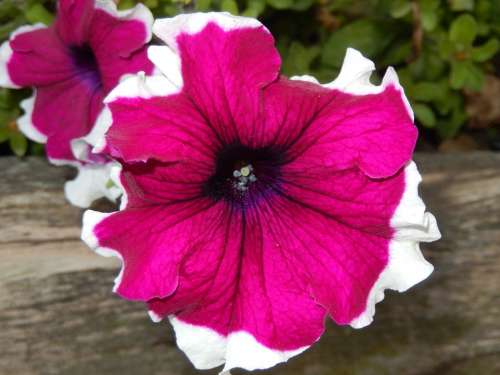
428 67
428 91
463 31
400 8
299 58
460 5
475 77
18 143
486 51
280 4
367 36
429 20
170 10
126 4
202 5
4 134
425 115
397 54
458 74
151 3
465 74
254 8
300 5
430 13
37 13
5 99
229 6
452 125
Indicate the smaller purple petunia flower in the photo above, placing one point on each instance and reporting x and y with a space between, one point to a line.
72 65
255 206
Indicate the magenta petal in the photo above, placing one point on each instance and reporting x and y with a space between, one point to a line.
223 72
73 20
341 218
118 45
39 58
249 285
374 132
155 183
179 130
65 111
154 250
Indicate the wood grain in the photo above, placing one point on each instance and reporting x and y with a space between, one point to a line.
58 315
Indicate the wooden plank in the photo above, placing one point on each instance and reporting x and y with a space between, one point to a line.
58 315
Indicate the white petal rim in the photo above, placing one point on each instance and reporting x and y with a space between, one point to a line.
354 78
90 184
115 175
167 29
95 139
406 266
90 219
6 54
138 13
142 86
208 349
167 62
25 122
135 86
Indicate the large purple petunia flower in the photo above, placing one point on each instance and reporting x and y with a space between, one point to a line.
72 65
257 205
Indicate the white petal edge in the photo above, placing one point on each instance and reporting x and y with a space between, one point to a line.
138 13
142 86
135 86
6 54
354 78
167 62
81 146
90 219
207 349
115 176
306 78
167 29
90 184
406 266
25 122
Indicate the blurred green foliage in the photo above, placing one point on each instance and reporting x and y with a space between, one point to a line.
440 48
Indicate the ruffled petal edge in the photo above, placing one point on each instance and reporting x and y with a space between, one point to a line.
138 13
90 219
406 266
91 183
25 122
167 29
6 54
135 86
354 78
207 349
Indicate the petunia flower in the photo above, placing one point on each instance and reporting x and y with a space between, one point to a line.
255 205
72 65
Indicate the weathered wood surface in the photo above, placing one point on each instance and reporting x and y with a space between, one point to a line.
58 315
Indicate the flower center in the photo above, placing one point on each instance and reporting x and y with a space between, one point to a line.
244 175
85 64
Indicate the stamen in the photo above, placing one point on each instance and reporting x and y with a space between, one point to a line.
243 177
